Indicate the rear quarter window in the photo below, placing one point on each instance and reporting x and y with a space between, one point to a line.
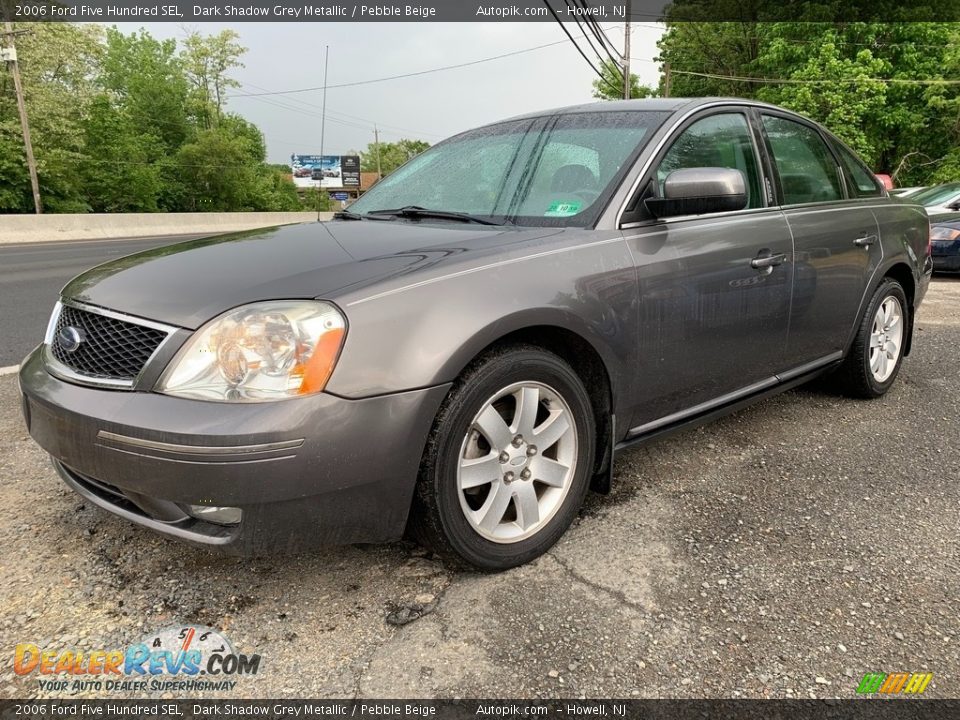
807 169
860 181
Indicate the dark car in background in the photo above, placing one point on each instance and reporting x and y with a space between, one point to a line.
462 354
945 242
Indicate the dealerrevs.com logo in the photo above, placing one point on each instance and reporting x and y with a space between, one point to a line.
180 658
894 683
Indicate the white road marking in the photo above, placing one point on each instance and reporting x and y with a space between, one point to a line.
9 370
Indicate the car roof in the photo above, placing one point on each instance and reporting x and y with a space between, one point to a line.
644 104
951 188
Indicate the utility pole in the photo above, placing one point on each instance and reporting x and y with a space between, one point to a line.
626 55
376 145
9 54
666 79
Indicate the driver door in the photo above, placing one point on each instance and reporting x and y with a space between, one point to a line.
712 326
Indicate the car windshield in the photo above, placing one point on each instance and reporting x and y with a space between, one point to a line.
936 195
555 170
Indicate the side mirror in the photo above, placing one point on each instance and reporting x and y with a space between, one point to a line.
695 191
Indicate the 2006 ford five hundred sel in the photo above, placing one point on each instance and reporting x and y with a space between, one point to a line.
463 351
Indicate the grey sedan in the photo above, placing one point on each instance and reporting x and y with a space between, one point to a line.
461 355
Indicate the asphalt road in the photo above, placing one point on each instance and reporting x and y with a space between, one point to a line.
783 551
31 275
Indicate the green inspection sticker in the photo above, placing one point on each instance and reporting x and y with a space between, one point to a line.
563 208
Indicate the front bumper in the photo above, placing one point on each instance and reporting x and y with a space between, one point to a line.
306 471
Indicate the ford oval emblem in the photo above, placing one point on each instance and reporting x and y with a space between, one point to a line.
69 338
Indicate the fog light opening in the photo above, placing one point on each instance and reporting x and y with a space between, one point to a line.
215 514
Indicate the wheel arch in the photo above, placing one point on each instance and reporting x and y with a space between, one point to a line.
595 367
901 272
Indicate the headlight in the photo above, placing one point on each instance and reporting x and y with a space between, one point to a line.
941 232
264 351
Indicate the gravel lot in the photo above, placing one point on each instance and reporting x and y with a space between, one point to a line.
781 552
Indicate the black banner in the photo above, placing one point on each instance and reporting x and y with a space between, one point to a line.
112 11
864 709
350 171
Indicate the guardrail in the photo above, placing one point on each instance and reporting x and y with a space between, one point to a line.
42 228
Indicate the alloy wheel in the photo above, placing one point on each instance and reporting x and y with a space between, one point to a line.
886 338
517 462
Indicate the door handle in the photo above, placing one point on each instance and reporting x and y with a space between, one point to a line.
767 260
865 240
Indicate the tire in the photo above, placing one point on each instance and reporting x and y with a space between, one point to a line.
473 500
869 371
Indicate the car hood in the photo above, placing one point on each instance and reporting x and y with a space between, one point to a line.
188 283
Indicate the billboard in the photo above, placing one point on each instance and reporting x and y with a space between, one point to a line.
326 171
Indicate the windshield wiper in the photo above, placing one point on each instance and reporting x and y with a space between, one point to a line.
348 215
415 211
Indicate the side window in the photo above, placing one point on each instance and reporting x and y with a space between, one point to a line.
808 172
716 141
860 181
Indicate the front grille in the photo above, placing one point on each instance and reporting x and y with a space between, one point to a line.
111 349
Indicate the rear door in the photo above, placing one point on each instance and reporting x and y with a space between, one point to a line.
711 323
836 236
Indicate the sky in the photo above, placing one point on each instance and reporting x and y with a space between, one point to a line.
286 56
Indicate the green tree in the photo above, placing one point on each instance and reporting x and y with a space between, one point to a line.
392 155
223 169
117 173
610 86
208 60
58 64
125 123
858 79
146 77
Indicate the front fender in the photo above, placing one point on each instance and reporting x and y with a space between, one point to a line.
424 333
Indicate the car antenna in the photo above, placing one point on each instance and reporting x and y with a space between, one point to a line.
323 122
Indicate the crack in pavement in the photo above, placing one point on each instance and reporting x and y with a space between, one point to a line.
615 594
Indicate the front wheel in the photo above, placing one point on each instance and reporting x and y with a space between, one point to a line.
874 361
508 462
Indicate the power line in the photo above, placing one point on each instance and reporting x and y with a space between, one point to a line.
615 58
599 33
370 123
800 81
404 75
573 42
161 164
877 43
570 38
585 30
307 113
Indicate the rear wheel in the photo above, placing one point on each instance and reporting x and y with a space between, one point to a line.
507 465
877 353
